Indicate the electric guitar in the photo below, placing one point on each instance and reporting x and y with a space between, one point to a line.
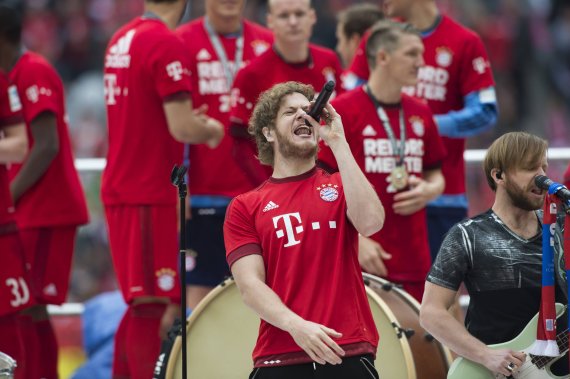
534 367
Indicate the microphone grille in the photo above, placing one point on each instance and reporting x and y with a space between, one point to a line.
329 86
541 181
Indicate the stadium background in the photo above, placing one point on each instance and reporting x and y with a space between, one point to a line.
528 42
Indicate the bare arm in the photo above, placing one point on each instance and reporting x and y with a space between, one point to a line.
42 153
365 210
314 339
439 322
371 256
189 126
13 144
421 192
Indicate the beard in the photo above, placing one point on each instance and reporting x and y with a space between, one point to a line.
520 199
290 150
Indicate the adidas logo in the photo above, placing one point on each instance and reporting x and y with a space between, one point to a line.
203 55
119 56
271 205
369 131
50 290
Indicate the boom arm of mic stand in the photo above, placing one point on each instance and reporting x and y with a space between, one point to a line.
177 178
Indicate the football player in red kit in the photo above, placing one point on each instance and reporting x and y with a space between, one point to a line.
457 83
396 144
296 231
15 290
291 57
150 115
50 204
218 45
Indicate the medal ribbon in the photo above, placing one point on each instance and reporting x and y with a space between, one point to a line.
398 150
229 72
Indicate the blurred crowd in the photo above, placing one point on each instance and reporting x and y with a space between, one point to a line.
528 42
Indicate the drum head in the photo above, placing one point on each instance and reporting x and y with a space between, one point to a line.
222 332
394 357
431 359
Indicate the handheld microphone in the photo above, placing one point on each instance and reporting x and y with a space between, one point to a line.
322 99
557 189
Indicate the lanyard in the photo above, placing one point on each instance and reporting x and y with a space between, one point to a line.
399 150
229 72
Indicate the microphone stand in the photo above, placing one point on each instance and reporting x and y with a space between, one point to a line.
177 179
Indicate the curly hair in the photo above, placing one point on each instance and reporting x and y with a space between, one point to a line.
265 114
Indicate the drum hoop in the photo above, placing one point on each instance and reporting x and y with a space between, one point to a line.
406 348
416 306
177 346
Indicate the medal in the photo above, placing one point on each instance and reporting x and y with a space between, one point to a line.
399 177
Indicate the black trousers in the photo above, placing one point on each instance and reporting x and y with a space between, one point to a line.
357 367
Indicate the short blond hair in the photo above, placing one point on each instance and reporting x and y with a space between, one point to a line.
265 114
513 151
385 34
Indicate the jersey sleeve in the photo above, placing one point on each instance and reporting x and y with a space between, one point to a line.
169 66
451 263
240 237
567 177
40 91
475 68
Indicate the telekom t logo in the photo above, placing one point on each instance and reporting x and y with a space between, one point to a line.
111 88
174 70
287 220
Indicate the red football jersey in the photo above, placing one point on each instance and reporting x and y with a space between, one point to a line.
405 237
300 227
57 198
144 64
10 114
456 64
270 69
567 177
211 88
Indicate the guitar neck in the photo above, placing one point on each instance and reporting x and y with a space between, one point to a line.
562 342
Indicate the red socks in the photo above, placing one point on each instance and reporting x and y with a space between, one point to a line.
47 353
137 343
12 342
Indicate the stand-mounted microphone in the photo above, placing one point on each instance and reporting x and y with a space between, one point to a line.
553 188
177 178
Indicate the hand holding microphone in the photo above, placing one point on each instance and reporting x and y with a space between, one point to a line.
321 101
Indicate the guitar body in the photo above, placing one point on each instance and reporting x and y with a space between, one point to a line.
463 368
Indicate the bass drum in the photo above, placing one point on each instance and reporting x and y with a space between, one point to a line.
431 359
221 333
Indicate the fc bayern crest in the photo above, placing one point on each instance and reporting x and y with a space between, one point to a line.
443 56
328 193
417 126
165 279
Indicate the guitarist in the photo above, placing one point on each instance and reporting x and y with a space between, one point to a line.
498 257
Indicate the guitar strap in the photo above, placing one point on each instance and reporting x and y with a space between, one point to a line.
545 344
